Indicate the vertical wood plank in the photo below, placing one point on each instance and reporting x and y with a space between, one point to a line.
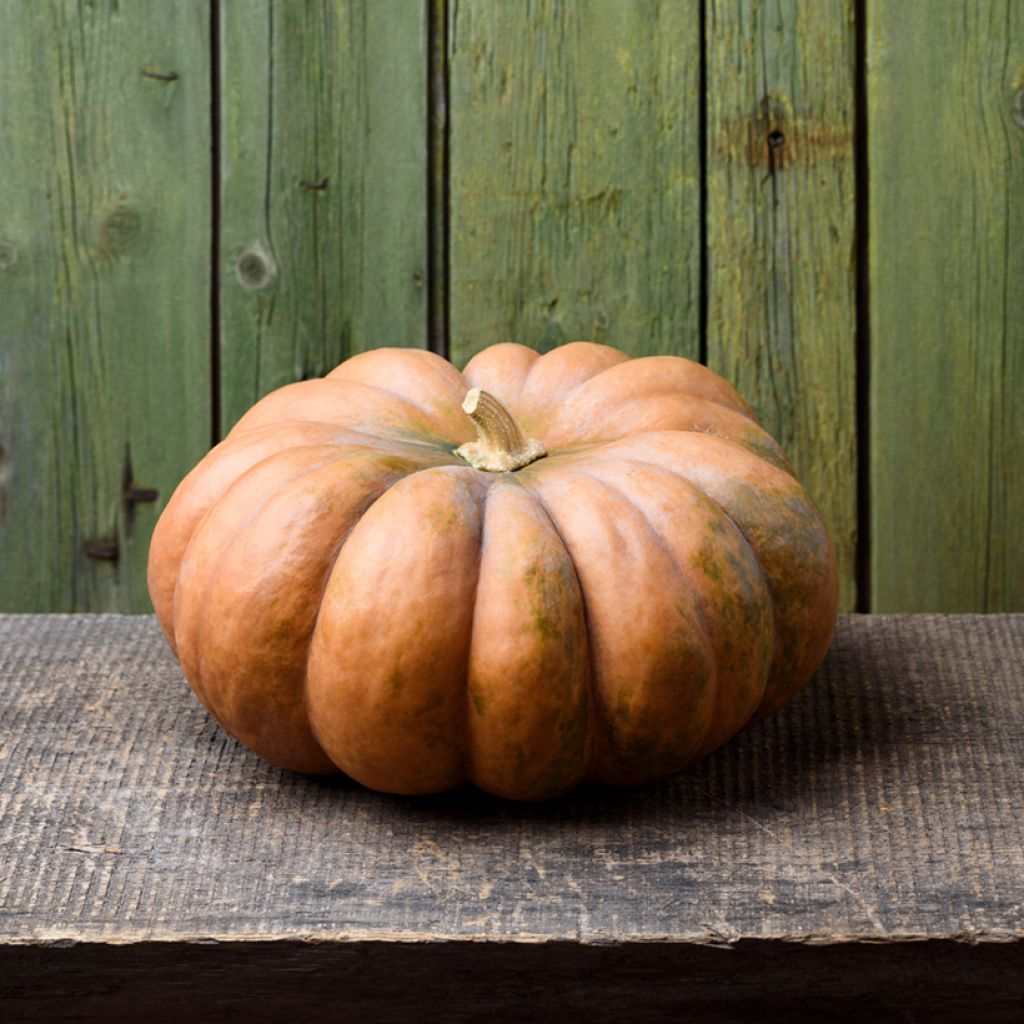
324 248
946 151
437 167
574 174
104 287
780 236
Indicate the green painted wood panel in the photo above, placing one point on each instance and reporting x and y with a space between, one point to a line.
574 174
323 239
104 288
780 236
945 93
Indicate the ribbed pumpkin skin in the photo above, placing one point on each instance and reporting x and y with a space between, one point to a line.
346 594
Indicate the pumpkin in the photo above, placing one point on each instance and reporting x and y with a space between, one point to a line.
541 570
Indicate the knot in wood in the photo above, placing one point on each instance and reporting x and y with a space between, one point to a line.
119 226
254 268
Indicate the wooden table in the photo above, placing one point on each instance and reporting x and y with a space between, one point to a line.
861 853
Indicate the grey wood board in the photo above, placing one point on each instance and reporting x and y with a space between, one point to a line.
884 803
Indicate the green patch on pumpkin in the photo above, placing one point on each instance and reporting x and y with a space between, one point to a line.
548 590
442 517
707 560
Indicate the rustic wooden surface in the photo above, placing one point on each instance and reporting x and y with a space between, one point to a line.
945 87
781 253
323 192
863 851
104 291
574 175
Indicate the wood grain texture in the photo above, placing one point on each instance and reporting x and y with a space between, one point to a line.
574 174
780 237
323 242
945 91
863 848
104 288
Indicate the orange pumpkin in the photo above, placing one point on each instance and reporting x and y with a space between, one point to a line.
541 570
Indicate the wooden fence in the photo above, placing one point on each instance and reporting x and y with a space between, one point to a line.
822 200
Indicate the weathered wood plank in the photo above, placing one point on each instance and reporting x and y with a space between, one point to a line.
323 242
104 287
574 174
886 800
780 237
865 843
946 150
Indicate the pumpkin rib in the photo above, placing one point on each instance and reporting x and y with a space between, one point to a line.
253 512
680 574
592 701
210 462
373 438
687 584
643 364
331 562
437 366
441 427
739 529
529 642
421 420
265 498
162 564
781 629
652 529
467 747
474 377
281 594
615 691
572 349
701 599
386 704
725 512
341 374
333 454
390 353
535 410
748 434
606 448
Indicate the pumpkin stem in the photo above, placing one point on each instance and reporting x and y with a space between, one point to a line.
499 446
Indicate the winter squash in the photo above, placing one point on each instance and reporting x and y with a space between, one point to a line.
541 570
